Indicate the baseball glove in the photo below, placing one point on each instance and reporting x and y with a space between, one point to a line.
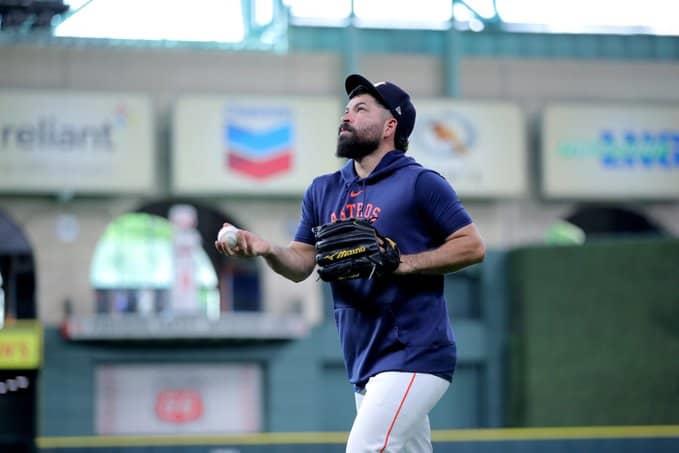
353 248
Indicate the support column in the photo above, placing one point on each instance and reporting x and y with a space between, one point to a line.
451 60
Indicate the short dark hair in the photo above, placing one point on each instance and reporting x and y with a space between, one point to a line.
400 142
360 90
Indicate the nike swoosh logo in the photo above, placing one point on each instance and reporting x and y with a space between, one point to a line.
353 194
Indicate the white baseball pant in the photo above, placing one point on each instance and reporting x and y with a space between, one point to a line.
392 413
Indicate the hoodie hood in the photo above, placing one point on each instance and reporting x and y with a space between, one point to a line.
390 162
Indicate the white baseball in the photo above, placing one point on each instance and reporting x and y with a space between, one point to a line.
228 234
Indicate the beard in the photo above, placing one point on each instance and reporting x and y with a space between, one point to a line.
357 145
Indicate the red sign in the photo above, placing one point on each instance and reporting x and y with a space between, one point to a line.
179 405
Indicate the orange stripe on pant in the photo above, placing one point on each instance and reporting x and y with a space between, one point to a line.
398 411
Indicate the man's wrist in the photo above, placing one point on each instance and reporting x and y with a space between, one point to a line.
407 266
269 253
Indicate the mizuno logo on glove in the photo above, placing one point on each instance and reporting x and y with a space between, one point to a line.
345 253
353 248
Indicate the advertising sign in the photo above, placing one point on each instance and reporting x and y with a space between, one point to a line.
253 145
170 398
75 142
480 147
625 151
21 345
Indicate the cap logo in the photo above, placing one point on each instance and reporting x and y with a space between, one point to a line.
398 110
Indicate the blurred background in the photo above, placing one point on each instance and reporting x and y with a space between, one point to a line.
130 131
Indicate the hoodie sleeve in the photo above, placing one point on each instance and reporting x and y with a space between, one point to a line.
306 221
440 204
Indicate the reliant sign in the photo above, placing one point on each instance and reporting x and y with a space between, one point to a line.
75 142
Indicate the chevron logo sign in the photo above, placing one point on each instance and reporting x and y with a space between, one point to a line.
259 141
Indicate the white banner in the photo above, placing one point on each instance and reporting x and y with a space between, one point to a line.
609 151
253 145
480 147
75 142
178 398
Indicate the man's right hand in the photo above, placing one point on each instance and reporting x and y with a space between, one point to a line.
294 262
248 244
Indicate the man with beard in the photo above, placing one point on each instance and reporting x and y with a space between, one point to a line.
398 343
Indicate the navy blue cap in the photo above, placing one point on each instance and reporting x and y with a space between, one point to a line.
390 96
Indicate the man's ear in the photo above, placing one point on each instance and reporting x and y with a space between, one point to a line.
390 127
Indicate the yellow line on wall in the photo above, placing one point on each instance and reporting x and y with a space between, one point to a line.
575 432
150 440
456 435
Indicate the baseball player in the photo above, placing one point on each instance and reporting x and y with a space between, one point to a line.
398 344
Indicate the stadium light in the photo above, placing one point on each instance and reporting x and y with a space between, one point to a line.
17 14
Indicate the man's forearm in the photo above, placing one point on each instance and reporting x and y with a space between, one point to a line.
438 262
455 254
290 263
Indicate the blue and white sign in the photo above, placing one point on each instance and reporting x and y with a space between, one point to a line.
610 151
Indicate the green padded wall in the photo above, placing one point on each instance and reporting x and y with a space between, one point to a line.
595 334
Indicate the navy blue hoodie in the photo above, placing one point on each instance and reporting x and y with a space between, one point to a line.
397 322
